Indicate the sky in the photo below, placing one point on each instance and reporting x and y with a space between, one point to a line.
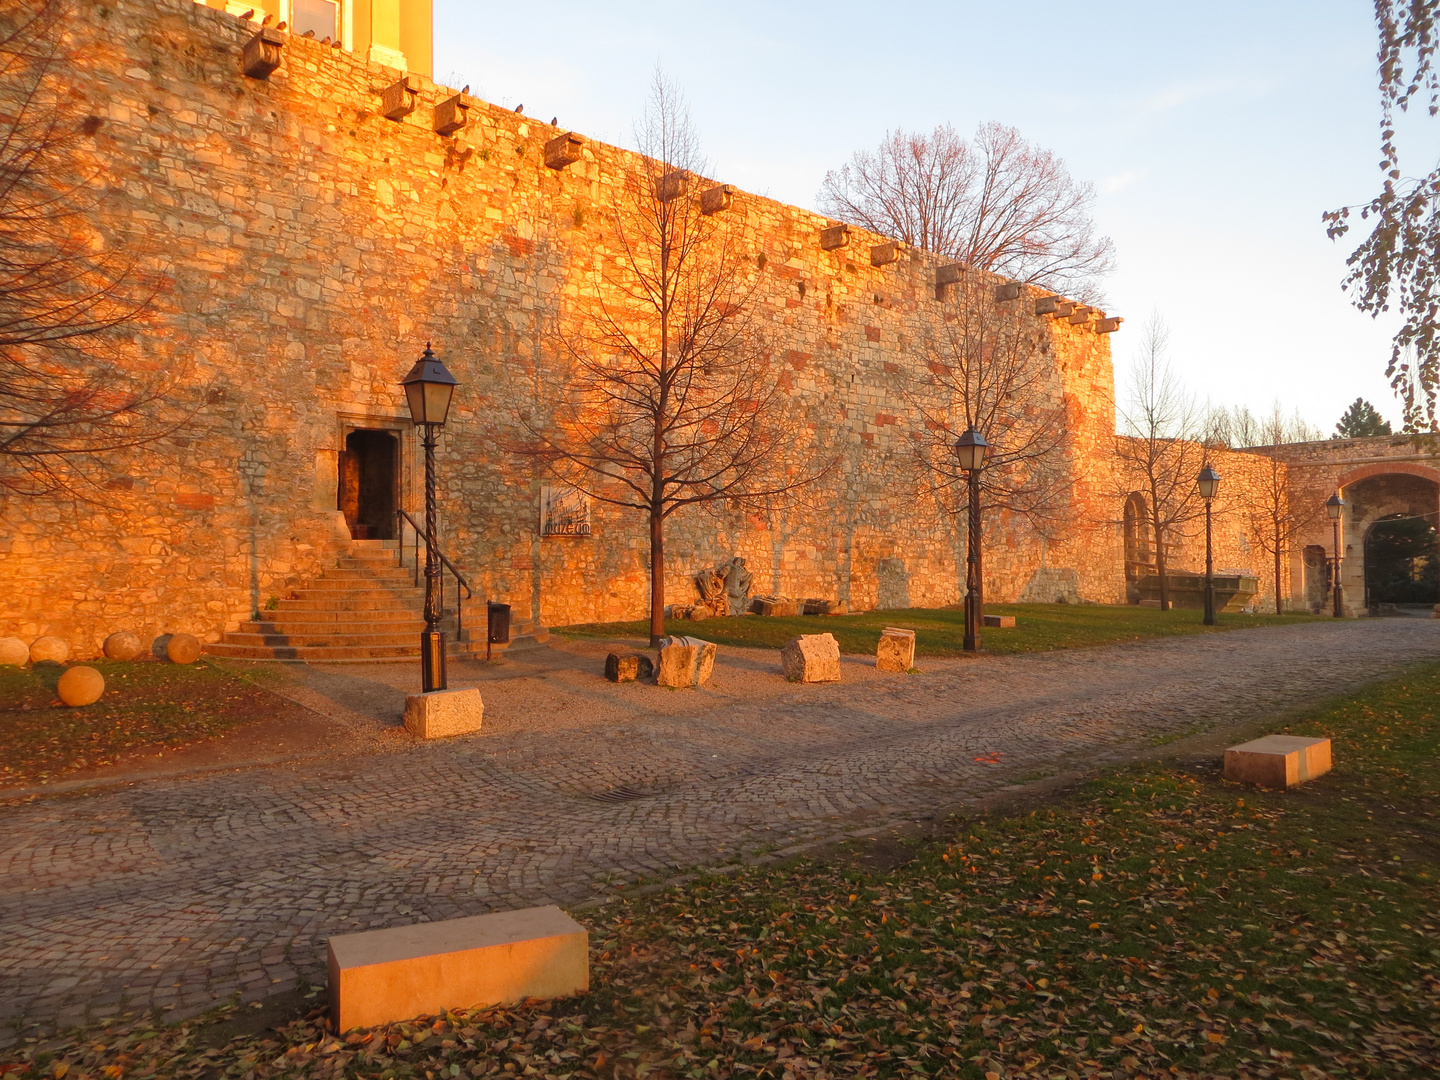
1215 135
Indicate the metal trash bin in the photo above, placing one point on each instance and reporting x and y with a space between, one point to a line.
497 619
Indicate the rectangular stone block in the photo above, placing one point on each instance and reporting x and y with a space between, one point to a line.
1278 761
811 658
775 605
896 651
1003 621
442 713
685 661
261 55
817 606
837 236
381 976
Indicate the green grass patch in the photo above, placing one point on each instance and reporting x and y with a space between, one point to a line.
146 703
1158 922
940 631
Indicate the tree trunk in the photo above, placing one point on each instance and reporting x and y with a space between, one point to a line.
1160 568
657 577
1279 606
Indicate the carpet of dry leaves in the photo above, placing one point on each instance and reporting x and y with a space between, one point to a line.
1159 922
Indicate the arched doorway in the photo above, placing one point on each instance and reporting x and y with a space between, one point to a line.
1139 555
1402 561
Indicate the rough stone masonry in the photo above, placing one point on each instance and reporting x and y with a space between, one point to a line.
307 247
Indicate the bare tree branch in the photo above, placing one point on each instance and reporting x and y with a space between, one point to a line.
996 203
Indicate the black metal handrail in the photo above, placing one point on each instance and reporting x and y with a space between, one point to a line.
401 516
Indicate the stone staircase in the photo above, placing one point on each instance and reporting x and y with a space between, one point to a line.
365 608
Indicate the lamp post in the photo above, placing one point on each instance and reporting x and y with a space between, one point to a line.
970 452
428 388
1209 483
1335 507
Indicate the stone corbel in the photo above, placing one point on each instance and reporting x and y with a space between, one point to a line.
949 274
1046 305
837 236
1011 290
884 254
1080 316
397 100
450 114
1109 326
261 54
563 150
716 199
672 185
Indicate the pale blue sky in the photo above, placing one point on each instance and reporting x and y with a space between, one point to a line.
1215 134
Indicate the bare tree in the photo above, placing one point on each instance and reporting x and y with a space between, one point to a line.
1395 266
1237 427
1158 451
986 367
672 401
1275 521
996 203
69 397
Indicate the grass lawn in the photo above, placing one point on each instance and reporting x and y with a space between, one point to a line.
938 631
1156 922
146 703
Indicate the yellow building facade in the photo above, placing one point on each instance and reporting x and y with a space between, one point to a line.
396 33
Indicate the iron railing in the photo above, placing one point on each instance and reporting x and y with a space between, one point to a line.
460 583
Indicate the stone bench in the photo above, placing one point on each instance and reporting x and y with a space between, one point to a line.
1278 761
381 976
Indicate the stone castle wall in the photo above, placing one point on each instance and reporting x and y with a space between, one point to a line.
309 248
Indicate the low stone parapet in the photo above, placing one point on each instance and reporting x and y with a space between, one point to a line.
381 976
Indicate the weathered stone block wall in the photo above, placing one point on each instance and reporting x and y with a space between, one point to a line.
309 247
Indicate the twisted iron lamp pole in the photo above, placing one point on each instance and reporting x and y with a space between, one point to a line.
1335 507
1209 483
428 389
970 452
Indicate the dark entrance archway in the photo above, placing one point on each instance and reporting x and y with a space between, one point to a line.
1402 561
369 484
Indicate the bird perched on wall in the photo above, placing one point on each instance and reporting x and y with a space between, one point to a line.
266 20
467 89
248 15
520 107
554 121
281 25
335 44
326 41
308 34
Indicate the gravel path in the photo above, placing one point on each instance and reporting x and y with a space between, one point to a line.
177 893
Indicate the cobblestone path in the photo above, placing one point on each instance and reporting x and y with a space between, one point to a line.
177 893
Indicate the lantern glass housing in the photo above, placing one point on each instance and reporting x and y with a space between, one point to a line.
970 450
429 388
1208 482
1334 506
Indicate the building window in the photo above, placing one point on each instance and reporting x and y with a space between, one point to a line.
320 16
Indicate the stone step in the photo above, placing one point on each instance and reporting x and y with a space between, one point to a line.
321 627
381 601
313 653
387 561
318 639
328 584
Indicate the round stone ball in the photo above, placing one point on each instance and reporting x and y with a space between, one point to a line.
183 649
53 649
123 645
13 652
81 686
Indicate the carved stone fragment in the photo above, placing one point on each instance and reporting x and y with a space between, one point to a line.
837 236
896 650
1011 290
685 661
563 150
627 667
811 658
398 99
884 254
450 114
714 200
261 54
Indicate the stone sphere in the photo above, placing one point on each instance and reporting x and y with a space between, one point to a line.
123 645
81 686
13 652
49 648
183 649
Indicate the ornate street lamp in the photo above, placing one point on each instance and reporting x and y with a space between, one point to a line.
429 387
1209 483
970 453
1335 507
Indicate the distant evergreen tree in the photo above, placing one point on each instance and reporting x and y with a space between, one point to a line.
1361 419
